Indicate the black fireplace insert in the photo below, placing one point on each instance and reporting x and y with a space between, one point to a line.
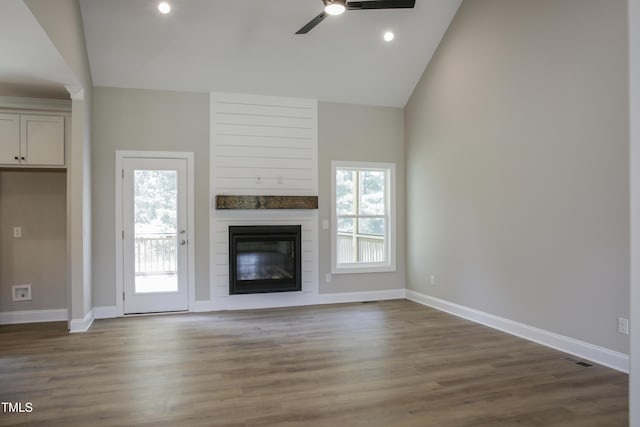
265 258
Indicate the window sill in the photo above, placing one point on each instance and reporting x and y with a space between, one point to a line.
366 268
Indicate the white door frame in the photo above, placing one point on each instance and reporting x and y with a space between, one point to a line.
188 156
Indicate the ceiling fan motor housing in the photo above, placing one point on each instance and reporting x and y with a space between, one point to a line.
336 7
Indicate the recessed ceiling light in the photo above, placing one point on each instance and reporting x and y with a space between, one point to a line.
388 36
164 7
335 7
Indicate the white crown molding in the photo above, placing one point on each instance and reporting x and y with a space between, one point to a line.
19 103
76 92
595 353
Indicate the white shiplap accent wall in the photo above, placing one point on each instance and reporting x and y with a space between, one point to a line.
262 146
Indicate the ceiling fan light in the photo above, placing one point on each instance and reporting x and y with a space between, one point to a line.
335 7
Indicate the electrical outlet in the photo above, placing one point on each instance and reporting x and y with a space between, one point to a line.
21 293
433 279
17 232
623 326
327 278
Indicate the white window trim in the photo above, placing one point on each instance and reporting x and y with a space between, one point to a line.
390 205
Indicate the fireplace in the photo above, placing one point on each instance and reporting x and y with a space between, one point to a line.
265 258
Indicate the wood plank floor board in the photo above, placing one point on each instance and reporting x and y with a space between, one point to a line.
392 363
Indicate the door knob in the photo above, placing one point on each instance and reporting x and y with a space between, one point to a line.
183 242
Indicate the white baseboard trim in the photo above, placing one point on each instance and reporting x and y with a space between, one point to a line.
344 297
271 300
106 312
33 316
111 311
200 306
585 350
82 325
297 299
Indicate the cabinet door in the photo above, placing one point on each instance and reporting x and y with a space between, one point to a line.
42 140
9 138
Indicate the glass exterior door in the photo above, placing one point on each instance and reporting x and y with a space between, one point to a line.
154 235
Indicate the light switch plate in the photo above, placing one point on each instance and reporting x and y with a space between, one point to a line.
623 325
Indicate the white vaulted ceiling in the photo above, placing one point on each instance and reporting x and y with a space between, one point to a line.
30 65
249 46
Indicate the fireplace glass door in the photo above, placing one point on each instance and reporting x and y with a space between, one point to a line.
264 259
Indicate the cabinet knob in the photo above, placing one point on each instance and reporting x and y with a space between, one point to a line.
22 158
16 158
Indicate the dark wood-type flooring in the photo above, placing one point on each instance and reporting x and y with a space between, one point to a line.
391 363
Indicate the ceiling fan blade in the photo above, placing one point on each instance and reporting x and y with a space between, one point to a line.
381 4
309 26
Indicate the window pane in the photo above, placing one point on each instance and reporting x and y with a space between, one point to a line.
371 226
363 217
372 192
156 213
346 251
346 225
371 249
345 192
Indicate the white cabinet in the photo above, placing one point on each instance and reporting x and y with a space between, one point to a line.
9 138
31 140
42 140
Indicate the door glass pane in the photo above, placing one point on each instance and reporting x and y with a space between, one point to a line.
156 219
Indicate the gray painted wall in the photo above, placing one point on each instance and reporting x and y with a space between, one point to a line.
62 21
37 202
360 133
130 119
517 166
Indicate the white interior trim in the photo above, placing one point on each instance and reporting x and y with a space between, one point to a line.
366 296
390 205
19 103
634 131
34 316
76 92
106 312
297 299
189 157
82 325
274 300
595 353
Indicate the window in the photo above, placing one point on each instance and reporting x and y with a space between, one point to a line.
363 217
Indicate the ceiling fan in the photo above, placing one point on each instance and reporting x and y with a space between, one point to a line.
336 7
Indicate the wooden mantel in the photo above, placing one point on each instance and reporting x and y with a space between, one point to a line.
266 202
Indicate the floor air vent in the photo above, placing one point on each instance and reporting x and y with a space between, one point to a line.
584 364
578 362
